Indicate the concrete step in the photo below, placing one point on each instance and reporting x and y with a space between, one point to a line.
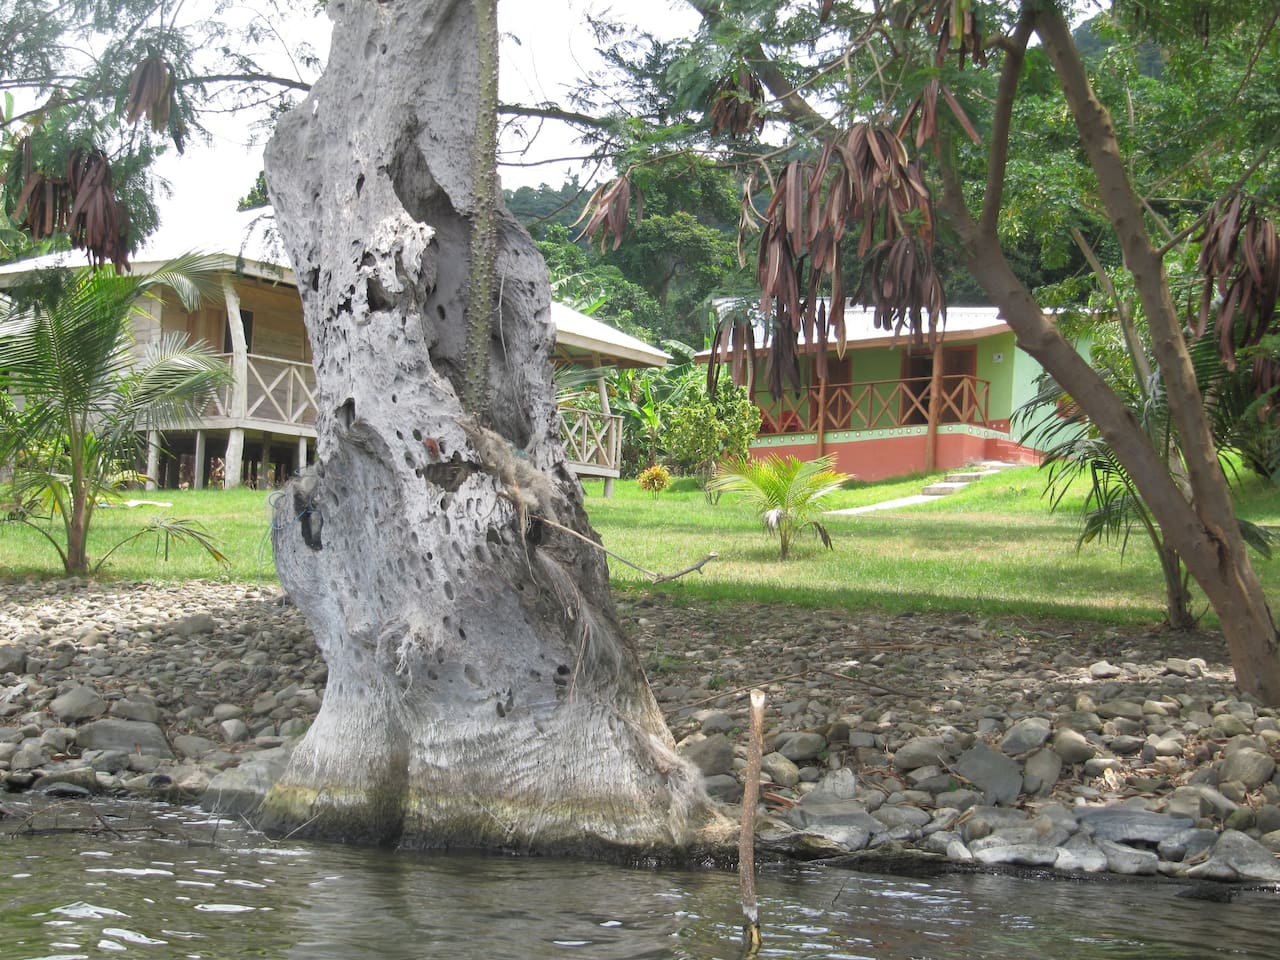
943 487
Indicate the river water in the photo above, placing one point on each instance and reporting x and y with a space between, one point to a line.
214 890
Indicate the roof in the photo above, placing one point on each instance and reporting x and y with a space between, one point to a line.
580 336
249 243
962 323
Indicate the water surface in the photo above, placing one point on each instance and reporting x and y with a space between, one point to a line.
218 890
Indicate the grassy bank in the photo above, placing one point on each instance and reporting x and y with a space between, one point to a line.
992 548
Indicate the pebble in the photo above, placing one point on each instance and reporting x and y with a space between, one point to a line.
1088 750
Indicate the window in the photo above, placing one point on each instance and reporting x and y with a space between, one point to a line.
246 319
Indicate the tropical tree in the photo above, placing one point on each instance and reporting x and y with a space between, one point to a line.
104 87
77 397
703 428
880 169
786 492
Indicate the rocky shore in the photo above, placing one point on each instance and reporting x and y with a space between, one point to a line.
1042 745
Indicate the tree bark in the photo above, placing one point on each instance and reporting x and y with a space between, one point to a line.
481 692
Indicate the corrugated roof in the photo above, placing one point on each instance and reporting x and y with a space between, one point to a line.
249 243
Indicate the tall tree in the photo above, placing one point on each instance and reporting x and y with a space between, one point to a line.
481 691
102 87
889 104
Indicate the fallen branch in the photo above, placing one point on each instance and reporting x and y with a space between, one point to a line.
653 577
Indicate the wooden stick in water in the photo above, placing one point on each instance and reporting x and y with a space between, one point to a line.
747 836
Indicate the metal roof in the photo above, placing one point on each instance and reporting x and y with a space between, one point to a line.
249 244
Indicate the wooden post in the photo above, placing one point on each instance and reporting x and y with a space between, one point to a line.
822 416
153 459
606 410
239 387
935 408
197 471
747 835
302 454
265 475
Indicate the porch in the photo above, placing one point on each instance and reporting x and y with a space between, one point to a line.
874 405
271 409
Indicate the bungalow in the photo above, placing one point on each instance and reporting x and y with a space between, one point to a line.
261 428
889 407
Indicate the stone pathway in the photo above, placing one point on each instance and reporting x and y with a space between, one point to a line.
951 482
1060 745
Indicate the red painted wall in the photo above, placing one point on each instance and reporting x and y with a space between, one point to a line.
880 458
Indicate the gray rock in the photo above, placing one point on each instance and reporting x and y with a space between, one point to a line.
808 815
717 721
711 755
803 746
780 770
1229 725
1073 747
1127 746
996 775
235 731
1025 735
1186 843
1126 825
1079 853
1237 856
76 772
984 821
1022 854
921 752
1128 860
227 711
898 815
837 785
1041 772
1185 668
136 710
192 625
78 703
190 746
847 836
1102 670
723 787
131 736
1125 709
958 799
240 790
1251 767
13 658
1268 818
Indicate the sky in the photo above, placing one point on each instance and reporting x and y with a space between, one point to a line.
545 47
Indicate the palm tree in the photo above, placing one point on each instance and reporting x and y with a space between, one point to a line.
76 399
786 492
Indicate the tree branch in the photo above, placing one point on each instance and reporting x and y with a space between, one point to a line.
1015 51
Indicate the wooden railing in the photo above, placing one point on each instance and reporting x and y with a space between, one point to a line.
279 391
873 405
592 441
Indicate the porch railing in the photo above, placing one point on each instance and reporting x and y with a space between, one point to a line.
279 391
592 441
873 405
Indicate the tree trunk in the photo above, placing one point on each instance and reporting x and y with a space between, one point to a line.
481 693
1207 536
1204 533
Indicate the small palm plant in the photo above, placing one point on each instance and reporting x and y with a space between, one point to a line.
76 399
787 493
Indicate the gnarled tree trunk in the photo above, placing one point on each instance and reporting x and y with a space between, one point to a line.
480 690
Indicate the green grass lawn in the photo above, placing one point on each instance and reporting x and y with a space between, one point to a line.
994 548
